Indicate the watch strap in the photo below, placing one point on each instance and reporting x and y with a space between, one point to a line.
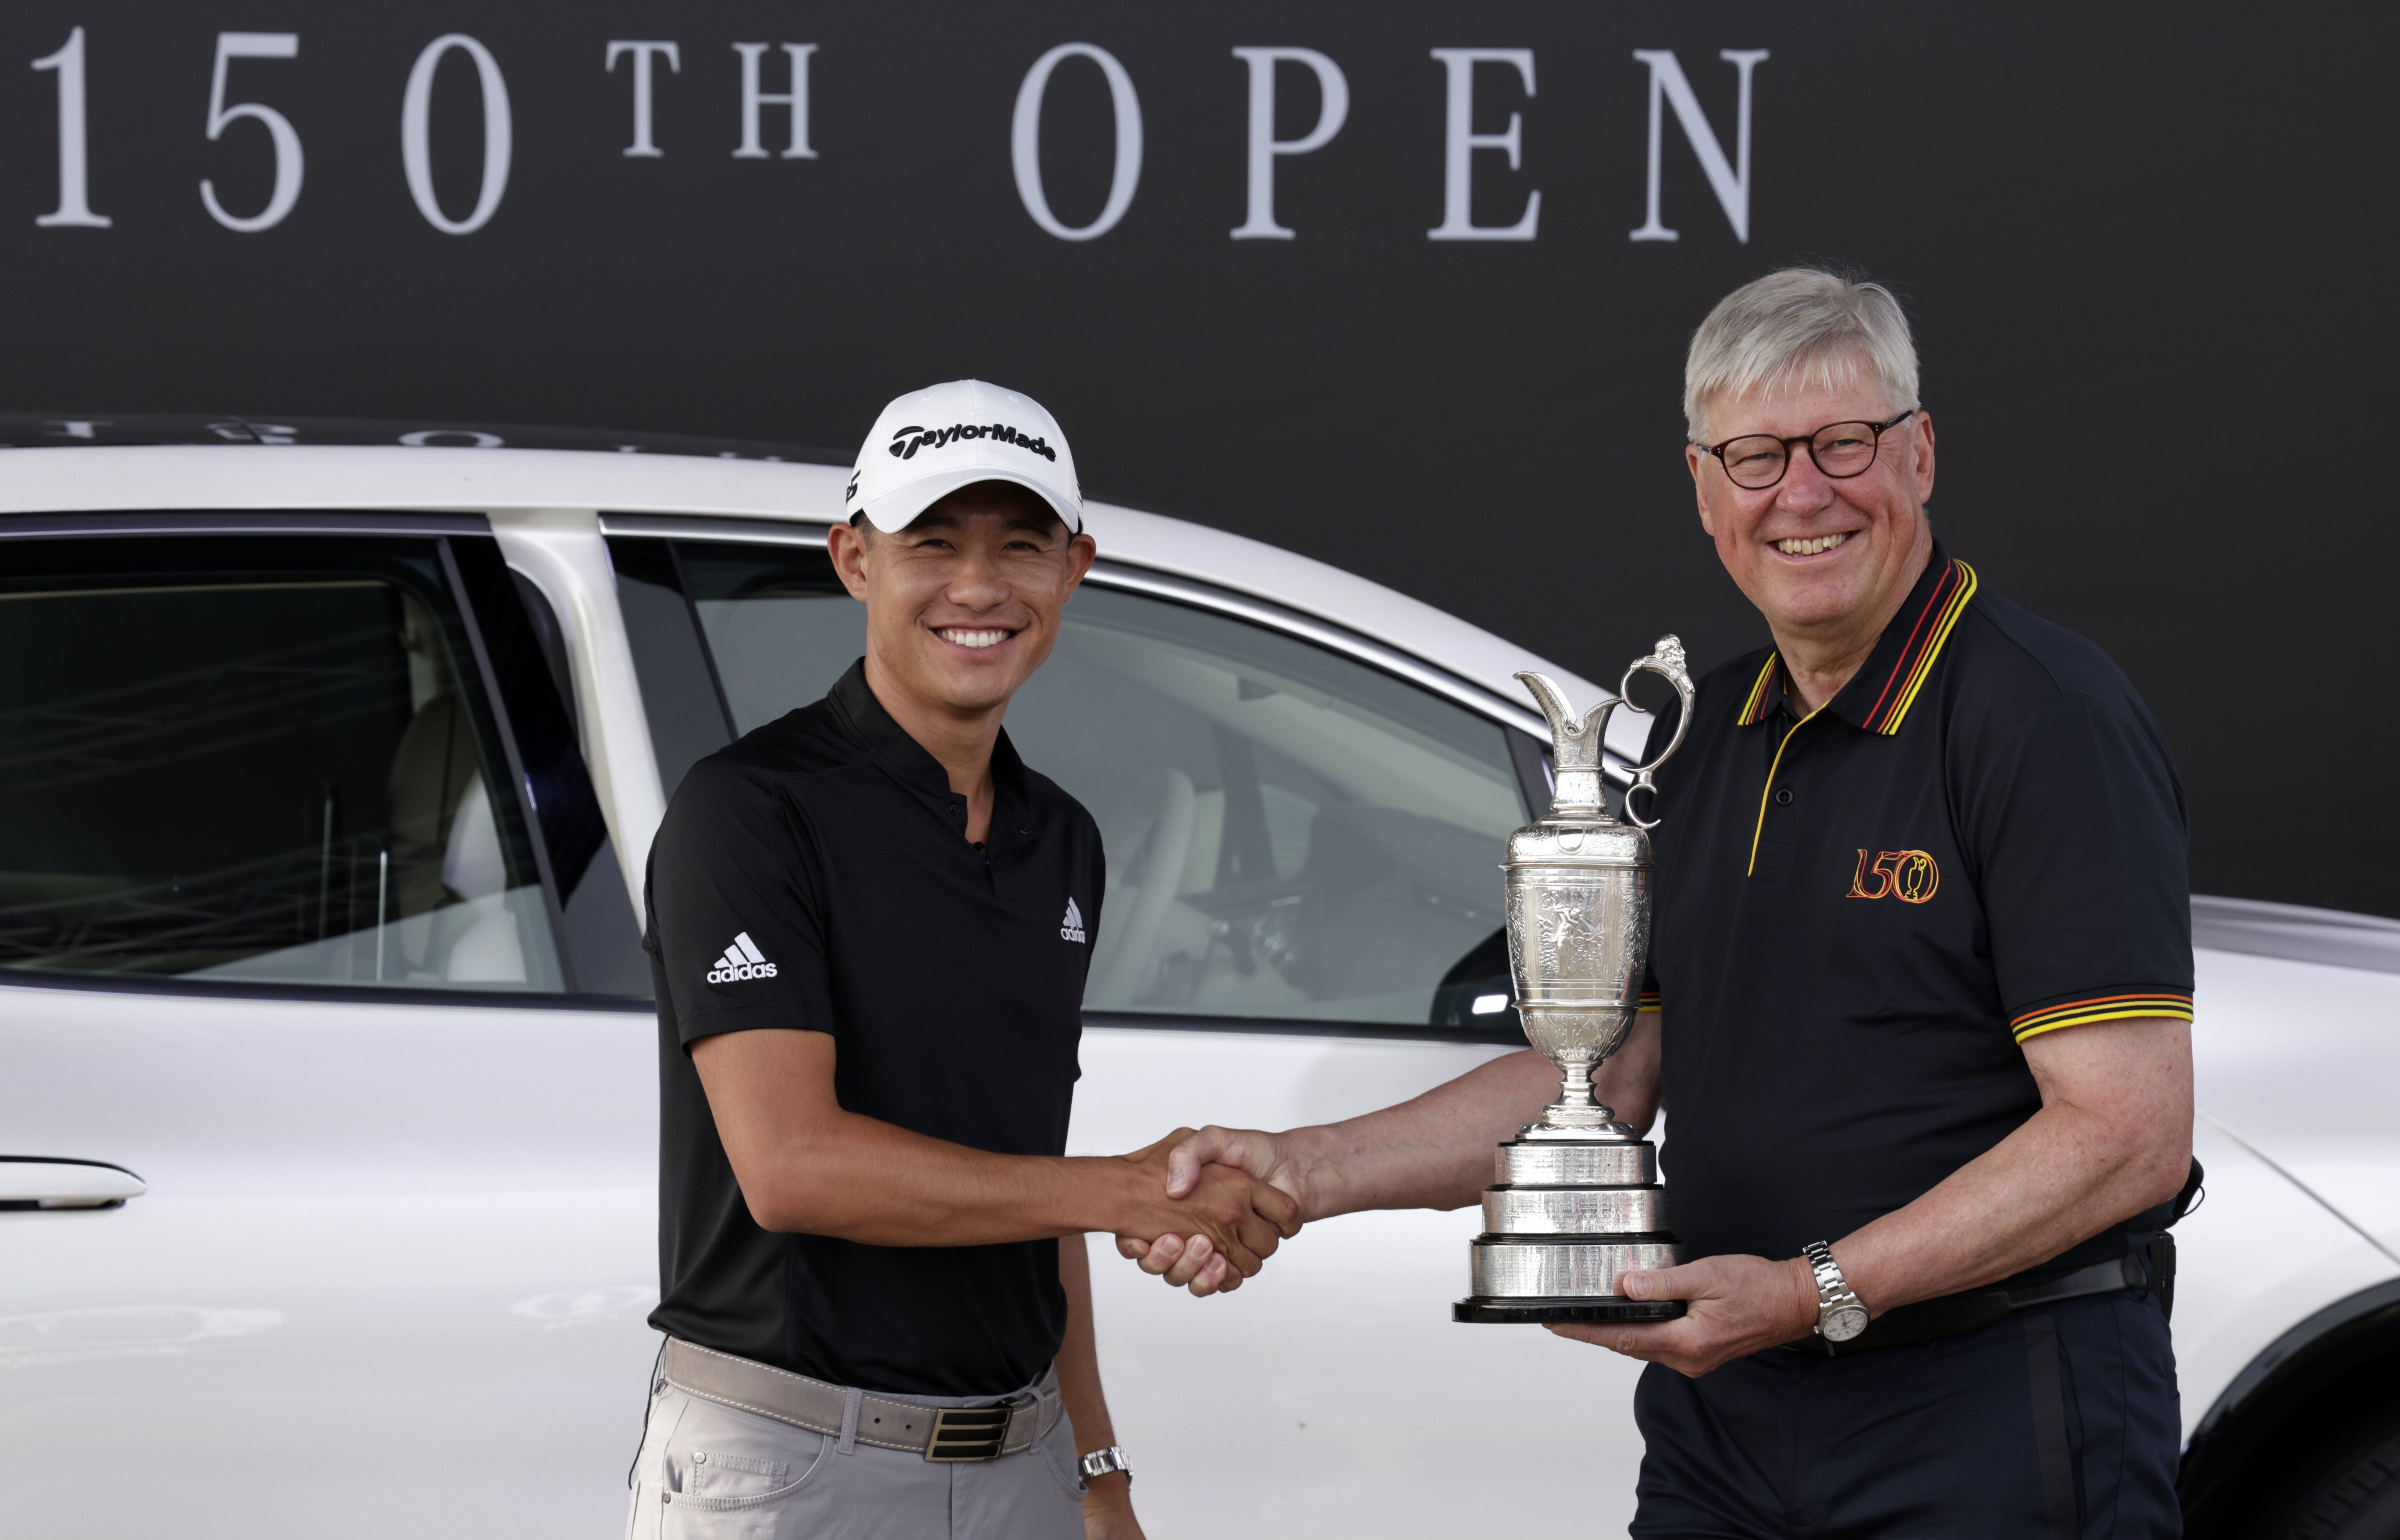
1834 1291
1104 1461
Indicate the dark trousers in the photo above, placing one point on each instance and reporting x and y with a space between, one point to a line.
2058 1422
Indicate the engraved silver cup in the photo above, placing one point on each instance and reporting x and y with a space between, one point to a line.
1578 1199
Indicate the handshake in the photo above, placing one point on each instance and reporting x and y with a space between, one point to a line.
1213 1205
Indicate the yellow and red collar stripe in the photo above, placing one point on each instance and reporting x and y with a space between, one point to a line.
2117 1008
1753 708
1931 629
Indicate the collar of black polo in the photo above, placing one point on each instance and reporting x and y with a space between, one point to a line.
906 758
1878 696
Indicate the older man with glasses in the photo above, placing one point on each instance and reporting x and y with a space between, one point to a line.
1920 998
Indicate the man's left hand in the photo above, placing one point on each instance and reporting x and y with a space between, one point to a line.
1107 1510
1738 1306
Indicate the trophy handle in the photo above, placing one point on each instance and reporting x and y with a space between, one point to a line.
1666 661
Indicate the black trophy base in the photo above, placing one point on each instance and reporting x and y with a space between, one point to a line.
1535 1311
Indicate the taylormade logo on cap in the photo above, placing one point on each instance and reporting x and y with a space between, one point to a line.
906 446
929 443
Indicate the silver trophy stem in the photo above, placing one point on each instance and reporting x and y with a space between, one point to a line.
1577 1114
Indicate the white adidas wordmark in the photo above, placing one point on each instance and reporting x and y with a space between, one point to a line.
742 959
1071 928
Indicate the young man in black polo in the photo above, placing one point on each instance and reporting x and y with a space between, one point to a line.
1922 963
869 926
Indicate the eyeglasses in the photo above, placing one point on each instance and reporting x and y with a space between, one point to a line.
1756 461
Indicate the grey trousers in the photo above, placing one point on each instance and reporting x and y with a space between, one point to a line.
712 1472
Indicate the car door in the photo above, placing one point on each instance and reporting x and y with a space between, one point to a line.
1302 923
325 1068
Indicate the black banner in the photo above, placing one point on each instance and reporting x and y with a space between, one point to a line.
1402 286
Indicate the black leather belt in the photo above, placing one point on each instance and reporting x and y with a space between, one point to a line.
1956 1314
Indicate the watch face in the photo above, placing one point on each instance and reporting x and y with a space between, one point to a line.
1844 1324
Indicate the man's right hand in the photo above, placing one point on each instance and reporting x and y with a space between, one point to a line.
1431 1152
1189 1259
1233 1218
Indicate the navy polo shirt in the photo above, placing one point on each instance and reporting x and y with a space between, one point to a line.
816 874
1863 911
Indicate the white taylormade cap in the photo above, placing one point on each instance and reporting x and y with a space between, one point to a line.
928 444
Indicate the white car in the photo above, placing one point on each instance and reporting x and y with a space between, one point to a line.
327 1066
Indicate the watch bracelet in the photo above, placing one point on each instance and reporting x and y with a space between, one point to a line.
1109 1461
1834 1291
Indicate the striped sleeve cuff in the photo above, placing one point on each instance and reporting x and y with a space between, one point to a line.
2113 1006
1649 1002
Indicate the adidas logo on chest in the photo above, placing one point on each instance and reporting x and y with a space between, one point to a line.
1071 928
742 959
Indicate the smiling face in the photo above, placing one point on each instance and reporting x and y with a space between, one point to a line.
1820 557
964 604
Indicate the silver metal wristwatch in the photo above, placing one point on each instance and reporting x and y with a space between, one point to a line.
1102 1462
1839 1315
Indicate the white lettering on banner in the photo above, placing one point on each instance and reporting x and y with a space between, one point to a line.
74 192
1725 160
1460 143
642 53
1331 113
1731 184
1025 142
255 45
415 134
796 99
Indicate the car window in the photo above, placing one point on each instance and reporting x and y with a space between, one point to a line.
224 764
680 693
1290 832
780 627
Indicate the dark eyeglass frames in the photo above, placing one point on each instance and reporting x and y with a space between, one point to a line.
1756 461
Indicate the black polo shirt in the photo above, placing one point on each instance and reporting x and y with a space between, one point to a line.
1863 911
816 874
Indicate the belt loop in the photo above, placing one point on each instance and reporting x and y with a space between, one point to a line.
851 1399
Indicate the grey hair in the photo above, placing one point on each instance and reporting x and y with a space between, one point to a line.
1800 325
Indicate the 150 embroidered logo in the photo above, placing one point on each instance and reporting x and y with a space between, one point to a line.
1913 877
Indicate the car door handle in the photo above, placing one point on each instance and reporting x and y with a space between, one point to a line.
50 1182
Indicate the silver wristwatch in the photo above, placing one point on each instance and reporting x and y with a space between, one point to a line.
1102 1462
1839 1315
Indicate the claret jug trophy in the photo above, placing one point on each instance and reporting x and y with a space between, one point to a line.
1578 1200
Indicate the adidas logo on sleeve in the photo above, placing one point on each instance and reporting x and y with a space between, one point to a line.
742 959
1071 928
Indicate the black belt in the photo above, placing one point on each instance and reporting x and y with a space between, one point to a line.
1956 1314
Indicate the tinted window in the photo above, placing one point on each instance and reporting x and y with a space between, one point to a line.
780 625
1289 833
224 764
679 694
